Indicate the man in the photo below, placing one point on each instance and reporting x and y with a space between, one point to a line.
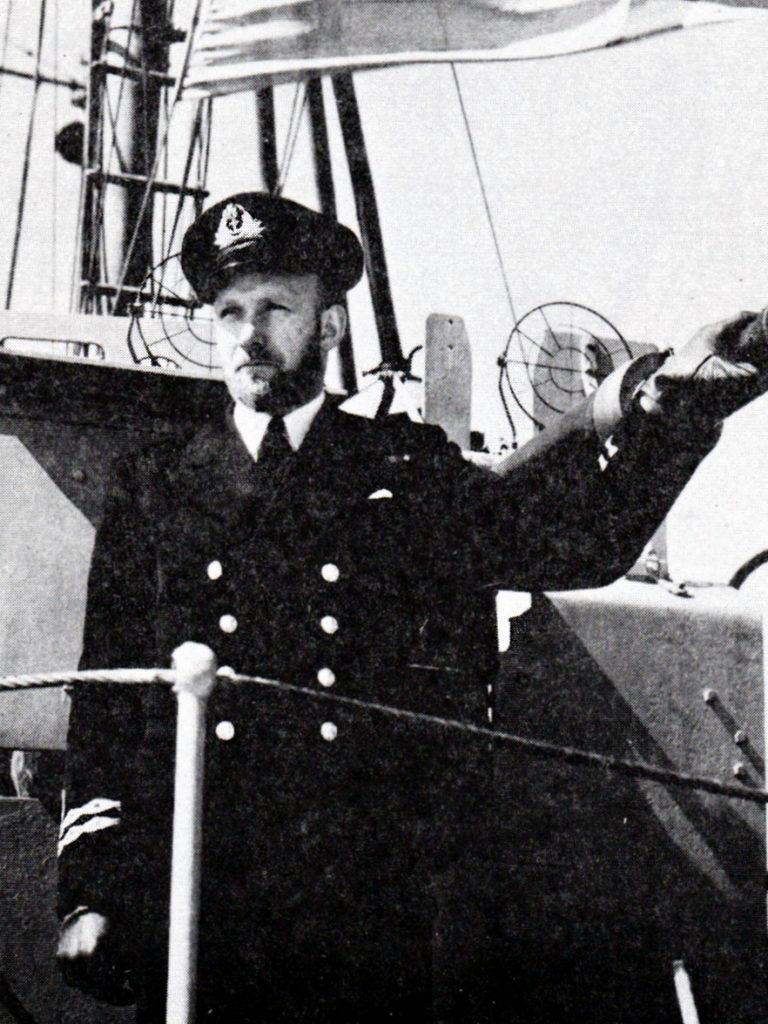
348 854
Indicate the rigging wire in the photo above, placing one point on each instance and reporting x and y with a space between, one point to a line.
164 198
6 37
205 159
507 410
483 192
94 198
162 143
115 150
294 127
496 245
74 290
97 255
144 85
55 171
167 240
291 121
114 143
195 144
27 153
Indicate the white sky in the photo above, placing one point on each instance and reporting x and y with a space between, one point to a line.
632 180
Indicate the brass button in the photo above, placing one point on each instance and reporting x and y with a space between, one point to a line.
228 623
214 570
225 731
329 624
330 572
329 731
326 677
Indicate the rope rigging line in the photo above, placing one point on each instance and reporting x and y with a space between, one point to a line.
540 748
96 261
507 410
161 145
55 168
27 154
93 259
113 114
483 192
74 278
294 126
205 154
165 199
195 144
6 37
97 257
166 175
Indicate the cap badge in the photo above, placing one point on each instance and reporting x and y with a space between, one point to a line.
236 225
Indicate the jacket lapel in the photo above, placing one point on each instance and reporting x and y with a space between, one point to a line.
215 474
217 477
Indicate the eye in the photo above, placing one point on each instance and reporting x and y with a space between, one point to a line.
227 312
276 306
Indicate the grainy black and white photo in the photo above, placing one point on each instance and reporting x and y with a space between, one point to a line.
383 488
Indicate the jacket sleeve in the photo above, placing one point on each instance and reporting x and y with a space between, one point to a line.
119 622
569 511
100 859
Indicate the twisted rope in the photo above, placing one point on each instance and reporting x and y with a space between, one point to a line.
51 680
539 748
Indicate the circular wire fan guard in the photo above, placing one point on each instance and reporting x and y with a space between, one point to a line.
169 327
556 354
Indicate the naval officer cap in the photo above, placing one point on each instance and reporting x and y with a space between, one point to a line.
258 231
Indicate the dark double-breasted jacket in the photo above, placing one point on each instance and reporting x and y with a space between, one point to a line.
347 851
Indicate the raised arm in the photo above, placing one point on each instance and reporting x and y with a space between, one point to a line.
588 492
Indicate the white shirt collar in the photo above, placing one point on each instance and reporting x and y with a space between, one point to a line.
252 425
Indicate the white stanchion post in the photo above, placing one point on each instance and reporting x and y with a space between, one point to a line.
195 666
685 999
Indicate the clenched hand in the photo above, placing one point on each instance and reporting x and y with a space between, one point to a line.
88 962
722 367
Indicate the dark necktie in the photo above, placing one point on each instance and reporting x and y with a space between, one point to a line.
274 447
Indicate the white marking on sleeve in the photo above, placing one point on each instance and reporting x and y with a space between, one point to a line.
98 805
92 825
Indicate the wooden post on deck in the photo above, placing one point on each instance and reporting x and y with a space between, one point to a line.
195 666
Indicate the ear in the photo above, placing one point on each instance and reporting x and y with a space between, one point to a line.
333 326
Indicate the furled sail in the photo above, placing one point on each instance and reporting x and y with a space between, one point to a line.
240 44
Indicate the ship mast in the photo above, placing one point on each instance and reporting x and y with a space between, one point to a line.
125 126
128 73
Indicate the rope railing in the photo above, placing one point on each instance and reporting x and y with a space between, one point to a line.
193 678
536 747
54 680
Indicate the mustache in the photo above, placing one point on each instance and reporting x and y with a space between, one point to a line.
256 355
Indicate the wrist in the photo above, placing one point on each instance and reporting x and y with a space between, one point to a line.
648 396
73 915
617 394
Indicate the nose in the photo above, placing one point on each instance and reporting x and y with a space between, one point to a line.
253 336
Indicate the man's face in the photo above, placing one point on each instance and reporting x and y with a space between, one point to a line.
273 336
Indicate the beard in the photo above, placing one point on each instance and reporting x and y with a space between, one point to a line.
280 390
